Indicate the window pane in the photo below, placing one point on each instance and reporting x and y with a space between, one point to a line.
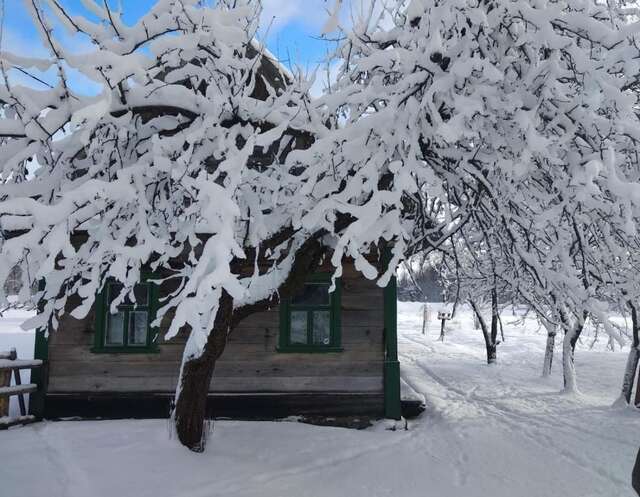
313 294
298 327
138 327
115 329
321 328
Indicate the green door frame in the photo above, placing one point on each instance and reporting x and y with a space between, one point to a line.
392 406
40 376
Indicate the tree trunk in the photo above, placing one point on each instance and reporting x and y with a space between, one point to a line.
548 353
490 344
630 374
492 353
635 476
572 333
425 317
632 359
568 364
196 375
495 319
195 378
551 344
637 401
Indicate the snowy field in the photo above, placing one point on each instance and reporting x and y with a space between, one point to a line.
498 431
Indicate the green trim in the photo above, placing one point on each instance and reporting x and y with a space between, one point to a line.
40 376
391 364
335 326
101 319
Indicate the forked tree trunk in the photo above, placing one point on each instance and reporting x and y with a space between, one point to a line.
572 333
195 378
490 336
632 360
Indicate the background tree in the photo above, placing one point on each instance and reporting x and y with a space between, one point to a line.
522 117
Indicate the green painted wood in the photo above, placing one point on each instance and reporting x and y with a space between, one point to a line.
334 307
40 376
101 321
392 406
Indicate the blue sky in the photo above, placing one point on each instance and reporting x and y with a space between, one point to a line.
293 36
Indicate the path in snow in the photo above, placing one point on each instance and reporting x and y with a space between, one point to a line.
488 431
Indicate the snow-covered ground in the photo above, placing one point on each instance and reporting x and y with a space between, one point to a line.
487 431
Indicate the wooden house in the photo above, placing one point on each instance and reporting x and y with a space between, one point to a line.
319 353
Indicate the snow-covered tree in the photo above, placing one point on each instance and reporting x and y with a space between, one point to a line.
199 160
521 114
480 278
203 161
175 166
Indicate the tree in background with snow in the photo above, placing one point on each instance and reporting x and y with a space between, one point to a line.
523 113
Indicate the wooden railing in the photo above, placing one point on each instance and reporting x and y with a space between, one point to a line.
10 366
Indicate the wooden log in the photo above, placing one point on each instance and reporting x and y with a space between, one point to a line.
5 381
9 365
285 366
360 351
249 384
7 422
18 389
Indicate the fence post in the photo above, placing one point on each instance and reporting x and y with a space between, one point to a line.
5 381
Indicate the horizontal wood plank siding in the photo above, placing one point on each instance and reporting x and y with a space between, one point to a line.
250 362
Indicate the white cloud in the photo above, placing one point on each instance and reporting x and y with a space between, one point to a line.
312 13
325 78
278 13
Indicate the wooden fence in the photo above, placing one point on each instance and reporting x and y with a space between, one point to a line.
10 366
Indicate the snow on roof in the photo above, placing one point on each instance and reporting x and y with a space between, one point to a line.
262 48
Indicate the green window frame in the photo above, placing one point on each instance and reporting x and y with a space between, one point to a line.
128 314
294 312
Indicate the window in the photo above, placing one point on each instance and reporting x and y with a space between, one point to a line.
310 321
128 329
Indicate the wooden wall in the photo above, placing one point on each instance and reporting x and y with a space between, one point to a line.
250 362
